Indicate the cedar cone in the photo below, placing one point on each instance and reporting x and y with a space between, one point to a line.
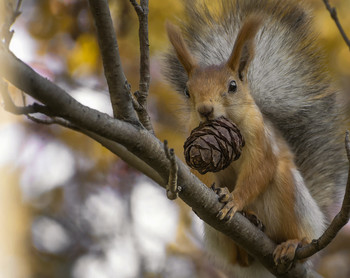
213 145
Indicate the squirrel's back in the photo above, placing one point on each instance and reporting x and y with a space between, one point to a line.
288 80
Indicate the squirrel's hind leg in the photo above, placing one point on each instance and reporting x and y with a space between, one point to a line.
285 252
243 258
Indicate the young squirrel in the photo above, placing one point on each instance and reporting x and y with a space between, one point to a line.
257 63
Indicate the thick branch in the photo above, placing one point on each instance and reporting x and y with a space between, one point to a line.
334 15
150 150
119 88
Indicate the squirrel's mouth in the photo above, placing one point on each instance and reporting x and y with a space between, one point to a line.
209 118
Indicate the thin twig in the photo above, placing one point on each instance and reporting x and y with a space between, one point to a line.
119 88
19 110
333 13
19 3
171 188
31 109
16 13
11 16
338 222
142 94
53 120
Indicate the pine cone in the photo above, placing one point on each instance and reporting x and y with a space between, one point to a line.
213 145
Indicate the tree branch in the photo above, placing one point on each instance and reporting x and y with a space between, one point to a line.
150 150
115 148
142 94
339 221
119 88
333 13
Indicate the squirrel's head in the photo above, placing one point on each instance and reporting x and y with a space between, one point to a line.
218 90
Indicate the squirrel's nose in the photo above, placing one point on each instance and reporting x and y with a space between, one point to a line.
205 110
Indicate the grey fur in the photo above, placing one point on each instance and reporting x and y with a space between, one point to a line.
288 81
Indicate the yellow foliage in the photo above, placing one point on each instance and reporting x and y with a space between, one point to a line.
160 11
84 57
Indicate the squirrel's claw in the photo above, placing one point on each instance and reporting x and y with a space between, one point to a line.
228 211
215 188
253 218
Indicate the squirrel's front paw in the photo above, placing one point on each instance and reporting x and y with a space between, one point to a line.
230 206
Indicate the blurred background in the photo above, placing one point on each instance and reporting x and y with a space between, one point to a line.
68 207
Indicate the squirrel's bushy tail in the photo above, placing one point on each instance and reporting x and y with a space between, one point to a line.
288 80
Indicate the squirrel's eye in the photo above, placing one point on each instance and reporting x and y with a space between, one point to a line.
232 87
186 92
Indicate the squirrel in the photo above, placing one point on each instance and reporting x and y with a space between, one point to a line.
258 64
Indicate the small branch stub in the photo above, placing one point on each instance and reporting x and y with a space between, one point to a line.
172 188
213 145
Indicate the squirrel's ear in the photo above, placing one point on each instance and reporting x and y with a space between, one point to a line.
181 49
243 50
